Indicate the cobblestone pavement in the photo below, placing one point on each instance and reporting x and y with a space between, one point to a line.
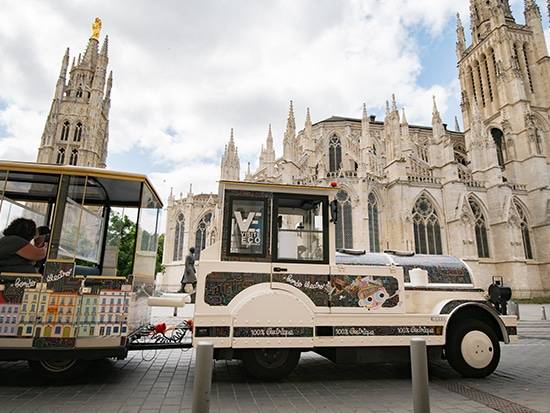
162 382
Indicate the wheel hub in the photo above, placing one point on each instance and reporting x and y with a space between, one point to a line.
477 349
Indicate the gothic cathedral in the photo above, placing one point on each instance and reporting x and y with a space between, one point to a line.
77 127
482 194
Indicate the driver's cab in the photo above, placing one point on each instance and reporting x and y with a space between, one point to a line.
273 228
277 255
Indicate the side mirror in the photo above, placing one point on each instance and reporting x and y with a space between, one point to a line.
334 211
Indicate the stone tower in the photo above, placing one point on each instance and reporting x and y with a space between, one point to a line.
77 128
504 76
230 165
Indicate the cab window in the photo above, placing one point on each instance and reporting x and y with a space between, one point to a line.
247 227
301 233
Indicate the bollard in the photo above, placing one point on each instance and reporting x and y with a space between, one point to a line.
175 311
419 373
544 314
203 377
514 308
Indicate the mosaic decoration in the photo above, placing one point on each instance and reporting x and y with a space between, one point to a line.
222 331
369 292
12 297
316 287
269 332
374 331
222 287
441 269
55 309
451 305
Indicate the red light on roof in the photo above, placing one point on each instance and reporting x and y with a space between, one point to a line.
334 184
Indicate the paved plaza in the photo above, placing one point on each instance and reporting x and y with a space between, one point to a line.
162 382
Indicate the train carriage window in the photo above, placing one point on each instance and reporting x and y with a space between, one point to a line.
301 228
247 227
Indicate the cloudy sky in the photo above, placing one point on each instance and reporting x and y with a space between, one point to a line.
185 72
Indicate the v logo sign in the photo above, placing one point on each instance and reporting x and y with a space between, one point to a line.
244 225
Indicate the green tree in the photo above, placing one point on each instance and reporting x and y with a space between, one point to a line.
160 251
122 233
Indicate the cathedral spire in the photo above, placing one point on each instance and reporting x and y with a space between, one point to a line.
393 103
404 118
105 47
289 144
457 125
64 65
460 37
230 165
269 141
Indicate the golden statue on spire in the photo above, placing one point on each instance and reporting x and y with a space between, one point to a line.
96 28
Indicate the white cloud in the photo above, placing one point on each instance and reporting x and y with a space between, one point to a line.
198 68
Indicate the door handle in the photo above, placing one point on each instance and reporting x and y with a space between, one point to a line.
279 269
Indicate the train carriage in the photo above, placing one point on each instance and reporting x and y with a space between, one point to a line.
99 270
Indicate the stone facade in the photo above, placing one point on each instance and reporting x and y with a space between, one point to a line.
482 194
77 127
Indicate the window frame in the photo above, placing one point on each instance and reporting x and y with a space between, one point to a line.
227 229
275 232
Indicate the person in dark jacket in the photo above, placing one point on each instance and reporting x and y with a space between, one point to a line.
17 253
189 272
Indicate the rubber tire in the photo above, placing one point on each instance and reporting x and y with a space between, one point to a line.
454 353
257 366
59 374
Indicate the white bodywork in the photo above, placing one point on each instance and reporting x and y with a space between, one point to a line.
281 314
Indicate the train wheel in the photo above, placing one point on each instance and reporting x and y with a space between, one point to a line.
473 349
270 363
58 370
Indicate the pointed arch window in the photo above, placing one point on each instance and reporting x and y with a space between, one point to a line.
480 223
65 130
335 154
79 92
344 231
374 226
60 156
179 233
525 232
73 160
77 137
427 231
498 138
539 141
201 235
527 68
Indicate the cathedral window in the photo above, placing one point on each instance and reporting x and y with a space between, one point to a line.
178 237
498 138
374 227
460 154
538 141
472 79
427 231
489 84
60 156
480 229
77 137
480 79
73 160
200 234
344 231
335 154
525 233
79 92
527 69
65 130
